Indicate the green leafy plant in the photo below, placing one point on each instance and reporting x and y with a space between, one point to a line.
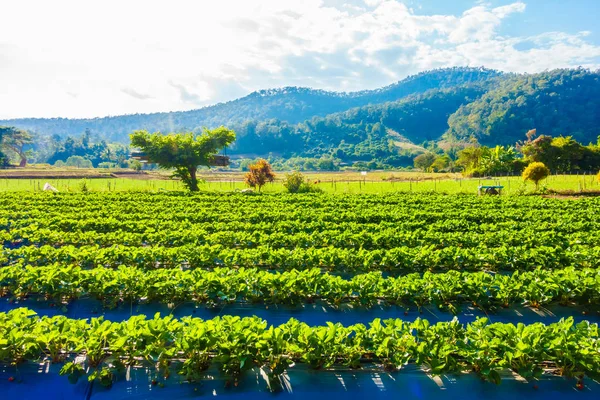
535 172
83 186
297 183
237 344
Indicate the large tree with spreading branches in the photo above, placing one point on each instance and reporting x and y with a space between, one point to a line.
183 152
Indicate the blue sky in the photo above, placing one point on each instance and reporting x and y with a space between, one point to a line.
68 58
570 16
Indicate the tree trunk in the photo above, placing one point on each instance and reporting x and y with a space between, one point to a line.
23 162
193 179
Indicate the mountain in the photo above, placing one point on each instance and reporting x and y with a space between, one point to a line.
559 102
290 104
446 107
359 133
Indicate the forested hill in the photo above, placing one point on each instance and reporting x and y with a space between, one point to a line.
290 104
362 133
560 102
449 105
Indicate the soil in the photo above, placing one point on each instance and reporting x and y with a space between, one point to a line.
53 175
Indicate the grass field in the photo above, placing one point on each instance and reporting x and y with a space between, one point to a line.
340 182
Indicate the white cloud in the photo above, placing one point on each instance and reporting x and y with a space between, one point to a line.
504 11
373 3
74 58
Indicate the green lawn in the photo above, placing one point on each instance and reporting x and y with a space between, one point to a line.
331 183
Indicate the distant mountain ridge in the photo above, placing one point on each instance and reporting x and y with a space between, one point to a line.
290 104
449 107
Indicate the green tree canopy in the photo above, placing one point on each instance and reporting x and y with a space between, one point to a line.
562 153
14 140
441 163
535 172
183 151
78 162
424 161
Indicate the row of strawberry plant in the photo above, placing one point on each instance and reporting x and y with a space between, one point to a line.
445 290
102 210
100 348
396 260
340 236
463 220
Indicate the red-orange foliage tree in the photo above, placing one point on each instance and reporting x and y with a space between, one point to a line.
260 173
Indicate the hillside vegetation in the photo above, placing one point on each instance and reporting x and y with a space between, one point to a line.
291 104
435 111
561 102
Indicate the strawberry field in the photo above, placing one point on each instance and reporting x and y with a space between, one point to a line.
169 294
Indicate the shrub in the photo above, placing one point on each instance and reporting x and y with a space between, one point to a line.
293 182
107 164
135 165
297 183
83 186
78 162
535 172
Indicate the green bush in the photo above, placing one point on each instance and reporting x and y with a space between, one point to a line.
135 165
107 164
78 162
83 185
535 172
296 183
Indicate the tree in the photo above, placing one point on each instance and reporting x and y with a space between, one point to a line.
498 159
135 165
469 158
183 151
3 158
562 153
78 162
326 164
424 161
14 139
260 173
441 163
535 172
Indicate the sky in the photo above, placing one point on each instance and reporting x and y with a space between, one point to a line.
73 58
